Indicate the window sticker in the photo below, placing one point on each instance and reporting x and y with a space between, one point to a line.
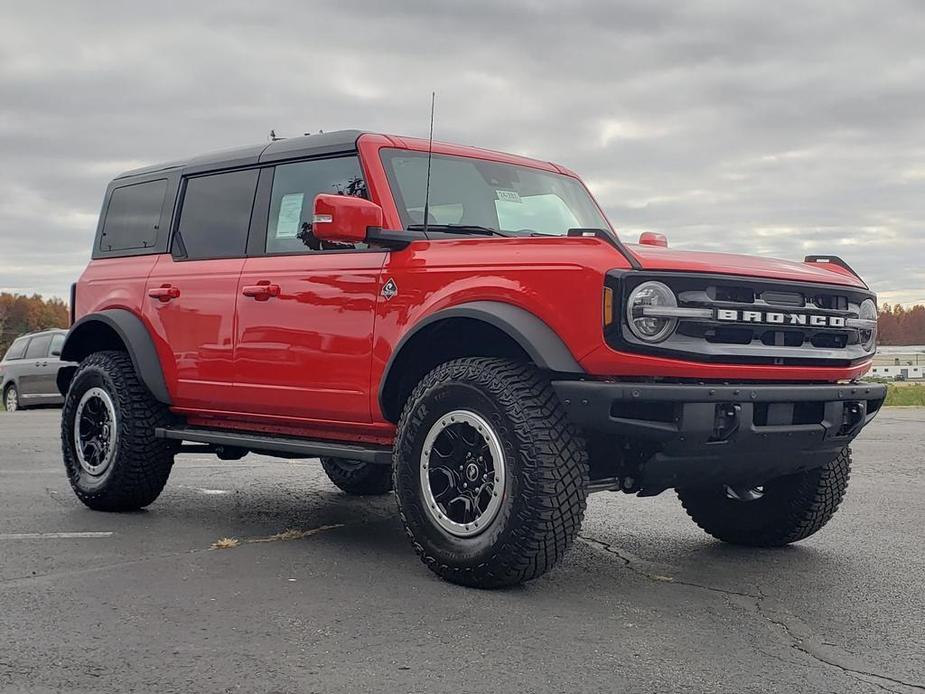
290 216
508 195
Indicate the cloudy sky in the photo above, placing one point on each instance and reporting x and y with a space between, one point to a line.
776 128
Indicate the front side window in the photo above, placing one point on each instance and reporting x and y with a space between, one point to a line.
291 203
133 217
38 347
216 215
466 191
57 343
17 350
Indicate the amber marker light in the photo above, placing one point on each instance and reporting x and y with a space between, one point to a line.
608 306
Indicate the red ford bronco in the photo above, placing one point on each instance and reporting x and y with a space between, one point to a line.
464 327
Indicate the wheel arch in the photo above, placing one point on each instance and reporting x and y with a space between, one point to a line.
478 328
114 329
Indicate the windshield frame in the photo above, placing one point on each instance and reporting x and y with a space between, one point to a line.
387 154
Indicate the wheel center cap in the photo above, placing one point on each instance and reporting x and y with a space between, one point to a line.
472 472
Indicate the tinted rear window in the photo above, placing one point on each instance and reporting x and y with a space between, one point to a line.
17 349
38 347
216 214
134 216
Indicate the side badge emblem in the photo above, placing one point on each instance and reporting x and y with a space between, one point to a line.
390 289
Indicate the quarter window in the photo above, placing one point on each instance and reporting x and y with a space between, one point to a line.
18 349
133 217
38 347
294 189
216 215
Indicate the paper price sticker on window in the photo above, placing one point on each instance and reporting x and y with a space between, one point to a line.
508 195
290 216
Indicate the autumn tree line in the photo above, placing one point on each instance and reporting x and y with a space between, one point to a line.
25 314
902 326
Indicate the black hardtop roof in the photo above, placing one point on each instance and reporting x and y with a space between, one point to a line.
278 150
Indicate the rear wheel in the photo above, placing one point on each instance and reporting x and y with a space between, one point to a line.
490 477
113 460
11 398
356 477
780 511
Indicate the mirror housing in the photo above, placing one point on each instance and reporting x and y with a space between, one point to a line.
652 238
56 352
344 219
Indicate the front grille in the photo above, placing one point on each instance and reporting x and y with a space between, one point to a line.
810 330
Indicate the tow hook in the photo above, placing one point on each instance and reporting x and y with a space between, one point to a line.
854 414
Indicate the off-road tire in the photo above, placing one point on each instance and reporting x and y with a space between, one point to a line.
355 477
546 476
11 388
142 463
792 508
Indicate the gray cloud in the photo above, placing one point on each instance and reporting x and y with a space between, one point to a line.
781 128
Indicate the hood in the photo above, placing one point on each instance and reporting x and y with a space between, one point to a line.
658 258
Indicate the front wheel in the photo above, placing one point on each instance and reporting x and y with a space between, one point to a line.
490 477
11 398
113 460
781 511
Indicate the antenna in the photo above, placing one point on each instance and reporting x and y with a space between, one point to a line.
430 154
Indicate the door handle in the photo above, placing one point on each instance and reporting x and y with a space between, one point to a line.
164 293
261 291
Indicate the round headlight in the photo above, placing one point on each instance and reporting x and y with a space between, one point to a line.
646 327
868 311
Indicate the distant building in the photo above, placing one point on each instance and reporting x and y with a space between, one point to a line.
902 372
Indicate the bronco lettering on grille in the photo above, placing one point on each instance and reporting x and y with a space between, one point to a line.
779 318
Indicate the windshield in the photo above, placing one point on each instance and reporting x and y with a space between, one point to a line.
480 193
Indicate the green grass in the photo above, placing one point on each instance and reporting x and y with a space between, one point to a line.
912 395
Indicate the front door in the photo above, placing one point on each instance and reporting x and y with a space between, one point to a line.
305 309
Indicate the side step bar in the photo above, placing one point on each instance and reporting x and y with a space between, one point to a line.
260 443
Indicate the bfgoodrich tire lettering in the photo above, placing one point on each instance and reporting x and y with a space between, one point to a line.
359 478
789 508
545 481
140 464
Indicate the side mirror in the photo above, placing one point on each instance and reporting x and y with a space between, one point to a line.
651 238
56 352
344 219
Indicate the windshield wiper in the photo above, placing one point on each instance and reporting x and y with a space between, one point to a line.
458 229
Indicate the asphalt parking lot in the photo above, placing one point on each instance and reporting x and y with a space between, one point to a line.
644 602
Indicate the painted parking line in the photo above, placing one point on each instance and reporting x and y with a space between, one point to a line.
52 536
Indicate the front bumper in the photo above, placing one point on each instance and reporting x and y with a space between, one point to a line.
696 433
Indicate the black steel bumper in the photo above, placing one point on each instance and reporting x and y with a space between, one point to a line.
700 433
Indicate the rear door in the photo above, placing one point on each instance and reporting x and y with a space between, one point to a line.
191 291
304 346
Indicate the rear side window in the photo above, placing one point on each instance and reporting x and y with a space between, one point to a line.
18 349
294 189
215 216
38 347
134 216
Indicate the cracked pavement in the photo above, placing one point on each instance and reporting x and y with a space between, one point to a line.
644 602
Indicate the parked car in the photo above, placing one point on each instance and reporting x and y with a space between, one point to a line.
29 370
464 327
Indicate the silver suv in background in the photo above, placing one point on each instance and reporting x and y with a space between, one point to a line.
29 370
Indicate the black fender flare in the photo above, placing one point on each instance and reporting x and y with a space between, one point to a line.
540 342
83 339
